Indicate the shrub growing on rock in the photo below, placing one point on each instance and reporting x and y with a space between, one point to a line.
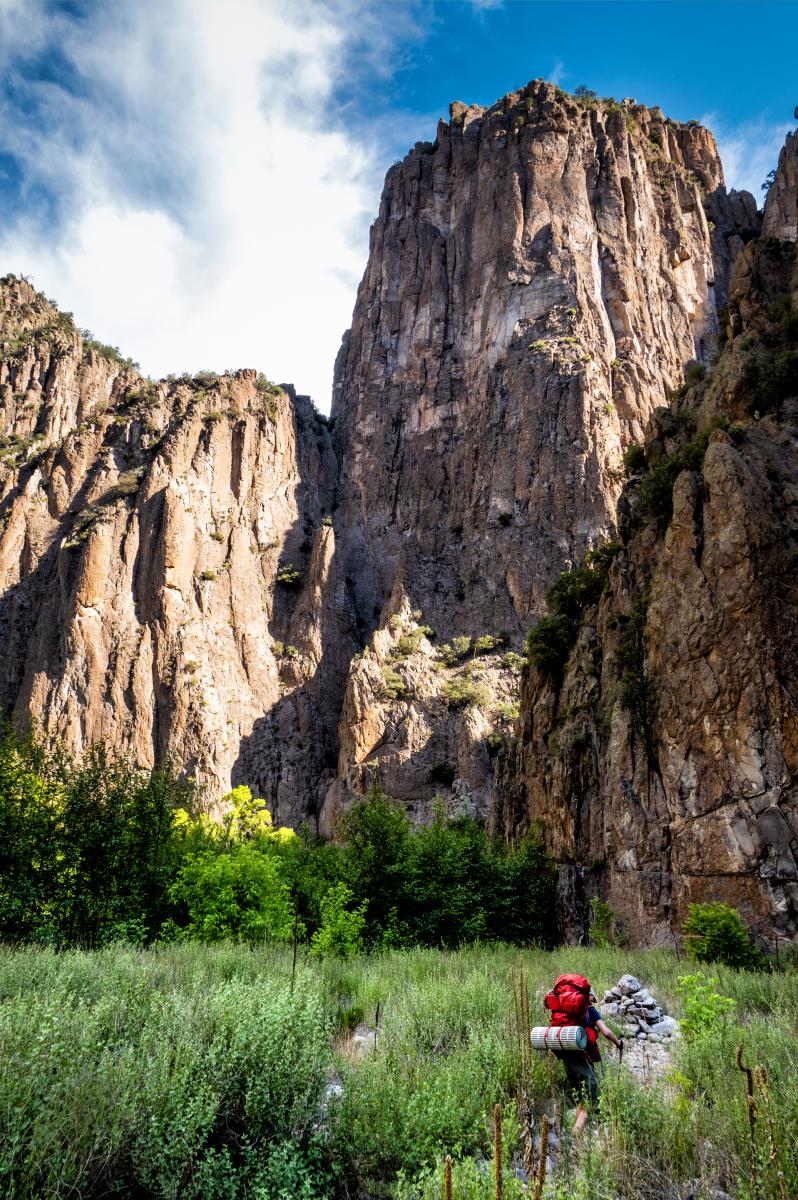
717 933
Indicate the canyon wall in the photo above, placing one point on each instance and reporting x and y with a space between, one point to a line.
204 569
660 754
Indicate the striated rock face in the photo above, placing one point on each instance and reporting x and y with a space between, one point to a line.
145 532
781 208
195 569
537 279
662 765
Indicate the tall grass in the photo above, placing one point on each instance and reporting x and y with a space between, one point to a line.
191 1071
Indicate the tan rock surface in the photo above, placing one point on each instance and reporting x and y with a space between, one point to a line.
686 791
538 277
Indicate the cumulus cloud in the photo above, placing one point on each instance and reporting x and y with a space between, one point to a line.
748 151
211 210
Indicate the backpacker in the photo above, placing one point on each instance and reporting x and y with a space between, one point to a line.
568 1003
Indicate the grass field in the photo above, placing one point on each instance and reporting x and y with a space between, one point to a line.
195 1071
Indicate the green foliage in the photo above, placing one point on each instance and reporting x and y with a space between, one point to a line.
410 642
340 933
87 851
113 353
172 1075
463 692
290 577
239 894
634 459
656 489
550 643
772 378
394 686
457 649
717 933
704 1008
512 661
603 928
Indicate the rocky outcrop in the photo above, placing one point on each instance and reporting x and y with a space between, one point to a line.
660 757
164 552
781 208
194 569
537 279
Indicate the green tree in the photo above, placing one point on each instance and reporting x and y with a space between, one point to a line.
341 931
239 893
717 933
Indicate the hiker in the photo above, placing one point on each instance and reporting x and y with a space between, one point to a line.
572 1002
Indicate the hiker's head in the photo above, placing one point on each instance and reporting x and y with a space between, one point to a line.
592 997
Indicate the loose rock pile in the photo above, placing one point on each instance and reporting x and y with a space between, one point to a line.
636 1007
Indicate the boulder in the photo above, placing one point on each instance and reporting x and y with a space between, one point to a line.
629 985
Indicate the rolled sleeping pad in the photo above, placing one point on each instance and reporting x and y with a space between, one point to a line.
559 1037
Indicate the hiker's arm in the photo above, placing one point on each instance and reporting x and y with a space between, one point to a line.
605 1029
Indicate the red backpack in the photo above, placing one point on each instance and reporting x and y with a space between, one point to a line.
568 1002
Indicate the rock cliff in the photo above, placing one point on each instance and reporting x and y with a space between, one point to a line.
162 555
537 279
658 738
197 568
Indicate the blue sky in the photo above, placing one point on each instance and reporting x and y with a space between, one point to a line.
195 178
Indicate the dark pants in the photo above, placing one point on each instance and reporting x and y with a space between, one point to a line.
582 1084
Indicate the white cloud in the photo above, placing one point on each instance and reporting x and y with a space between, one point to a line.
557 73
748 151
218 210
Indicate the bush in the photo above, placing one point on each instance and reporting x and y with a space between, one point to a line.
290 577
454 651
238 894
717 933
549 645
634 459
462 692
340 933
703 1008
394 686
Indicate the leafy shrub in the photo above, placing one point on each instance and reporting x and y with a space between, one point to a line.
394 686
772 379
550 643
512 661
717 933
237 894
462 692
208 575
452 652
634 459
508 712
602 930
704 1008
485 644
340 933
289 576
182 1081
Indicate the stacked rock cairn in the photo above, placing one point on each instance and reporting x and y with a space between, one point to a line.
634 1005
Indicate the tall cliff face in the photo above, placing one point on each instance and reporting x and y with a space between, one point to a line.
162 556
661 760
537 279
193 568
